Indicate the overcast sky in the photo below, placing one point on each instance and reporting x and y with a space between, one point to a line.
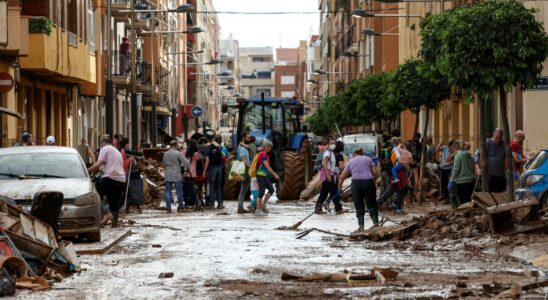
268 30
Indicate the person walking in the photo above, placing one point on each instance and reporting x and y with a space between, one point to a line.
201 178
446 163
518 156
174 163
85 153
401 186
363 172
329 176
214 169
243 156
264 170
496 162
462 175
112 182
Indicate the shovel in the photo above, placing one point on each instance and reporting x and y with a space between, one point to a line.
296 225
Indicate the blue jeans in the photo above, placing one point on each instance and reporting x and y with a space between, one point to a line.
397 167
179 187
243 191
215 178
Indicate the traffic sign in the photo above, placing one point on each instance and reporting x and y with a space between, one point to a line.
6 82
197 111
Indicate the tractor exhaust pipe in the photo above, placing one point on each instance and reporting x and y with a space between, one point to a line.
263 113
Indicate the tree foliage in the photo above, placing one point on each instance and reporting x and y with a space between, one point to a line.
484 46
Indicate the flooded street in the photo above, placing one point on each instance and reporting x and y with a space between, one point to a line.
217 255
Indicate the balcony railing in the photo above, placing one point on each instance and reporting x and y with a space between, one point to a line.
345 41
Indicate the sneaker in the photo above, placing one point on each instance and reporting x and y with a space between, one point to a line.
221 207
396 180
265 210
168 210
341 211
243 211
260 213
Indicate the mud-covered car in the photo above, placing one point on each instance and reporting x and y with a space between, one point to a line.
25 171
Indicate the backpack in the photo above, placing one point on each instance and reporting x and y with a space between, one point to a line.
319 160
253 168
215 156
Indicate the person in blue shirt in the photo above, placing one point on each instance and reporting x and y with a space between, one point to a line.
245 157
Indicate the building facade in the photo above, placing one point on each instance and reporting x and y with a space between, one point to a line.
286 72
257 71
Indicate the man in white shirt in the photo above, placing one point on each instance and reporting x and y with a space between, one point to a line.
114 178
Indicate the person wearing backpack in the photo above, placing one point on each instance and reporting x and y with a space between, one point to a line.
214 167
261 165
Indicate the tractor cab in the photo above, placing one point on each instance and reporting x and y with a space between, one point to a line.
278 120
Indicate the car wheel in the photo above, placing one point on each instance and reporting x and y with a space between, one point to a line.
94 237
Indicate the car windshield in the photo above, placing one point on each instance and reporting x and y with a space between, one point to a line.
370 149
537 160
41 165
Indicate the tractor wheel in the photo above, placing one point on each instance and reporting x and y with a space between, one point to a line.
231 188
293 181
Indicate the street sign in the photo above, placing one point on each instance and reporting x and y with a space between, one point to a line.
6 82
541 83
197 111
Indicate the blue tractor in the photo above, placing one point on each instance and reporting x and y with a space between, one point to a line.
278 120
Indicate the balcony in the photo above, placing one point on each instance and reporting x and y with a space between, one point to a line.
73 64
14 38
345 41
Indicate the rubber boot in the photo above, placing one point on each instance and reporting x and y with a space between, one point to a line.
115 215
375 219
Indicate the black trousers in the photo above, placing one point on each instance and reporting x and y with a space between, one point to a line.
465 191
364 197
444 181
497 184
329 188
113 190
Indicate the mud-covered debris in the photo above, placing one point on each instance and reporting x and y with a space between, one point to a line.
387 273
166 275
259 271
156 246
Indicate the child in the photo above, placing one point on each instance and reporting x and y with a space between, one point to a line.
406 156
254 188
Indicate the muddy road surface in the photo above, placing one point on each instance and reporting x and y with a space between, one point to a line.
222 255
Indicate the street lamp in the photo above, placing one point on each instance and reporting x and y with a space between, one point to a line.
360 13
193 30
211 62
185 8
371 32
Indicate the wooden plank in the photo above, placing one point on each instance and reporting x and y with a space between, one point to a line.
107 248
41 232
511 206
28 226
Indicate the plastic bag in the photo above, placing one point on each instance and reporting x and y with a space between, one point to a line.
237 171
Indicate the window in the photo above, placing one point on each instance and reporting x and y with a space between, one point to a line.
258 59
288 79
288 94
91 34
265 91
264 74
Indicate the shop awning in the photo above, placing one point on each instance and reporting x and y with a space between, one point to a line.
160 110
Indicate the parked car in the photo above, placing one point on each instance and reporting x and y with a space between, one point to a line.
534 180
368 142
25 171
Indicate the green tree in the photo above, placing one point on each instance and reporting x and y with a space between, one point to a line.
367 97
417 85
487 47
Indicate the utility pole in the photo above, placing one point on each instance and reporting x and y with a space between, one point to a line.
109 101
154 121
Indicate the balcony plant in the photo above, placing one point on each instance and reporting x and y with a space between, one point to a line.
40 25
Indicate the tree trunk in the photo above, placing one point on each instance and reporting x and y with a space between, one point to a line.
509 158
483 146
423 153
416 124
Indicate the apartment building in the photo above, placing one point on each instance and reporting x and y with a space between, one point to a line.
257 71
230 67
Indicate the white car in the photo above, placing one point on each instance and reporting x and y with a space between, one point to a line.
368 142
25 171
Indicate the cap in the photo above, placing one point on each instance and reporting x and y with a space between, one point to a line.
50 140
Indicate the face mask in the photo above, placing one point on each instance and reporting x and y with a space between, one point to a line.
331 147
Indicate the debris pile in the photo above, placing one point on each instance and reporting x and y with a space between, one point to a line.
153 181
470 220
377 276
30 255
